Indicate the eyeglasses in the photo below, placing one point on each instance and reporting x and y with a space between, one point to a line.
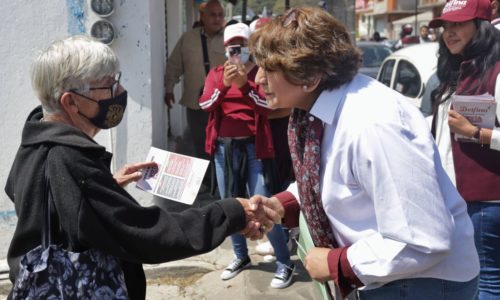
113 88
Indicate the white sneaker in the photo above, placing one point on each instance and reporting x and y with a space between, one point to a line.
235 267
269 258
283 276
264 249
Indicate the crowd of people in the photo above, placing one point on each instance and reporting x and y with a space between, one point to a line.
397 209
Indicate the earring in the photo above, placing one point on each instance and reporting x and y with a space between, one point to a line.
304 87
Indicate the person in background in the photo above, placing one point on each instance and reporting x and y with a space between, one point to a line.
376 37
201 9
361 155
405 37
495 14
434 34
240 141
77 81
231 22
188 60
469 64
259 22
424 34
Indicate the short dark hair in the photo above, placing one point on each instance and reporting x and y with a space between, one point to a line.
231 22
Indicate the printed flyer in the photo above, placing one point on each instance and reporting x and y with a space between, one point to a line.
178 177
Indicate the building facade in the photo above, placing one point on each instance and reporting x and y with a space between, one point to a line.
27 26
387 16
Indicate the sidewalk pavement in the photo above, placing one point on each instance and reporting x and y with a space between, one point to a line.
199 278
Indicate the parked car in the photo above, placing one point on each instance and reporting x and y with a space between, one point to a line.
412 72
373 56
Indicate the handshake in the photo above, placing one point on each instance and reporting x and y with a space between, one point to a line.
261 215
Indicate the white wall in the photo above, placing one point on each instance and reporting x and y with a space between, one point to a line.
26 26
175 28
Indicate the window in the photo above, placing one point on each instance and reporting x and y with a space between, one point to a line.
408 81
373 56
386 72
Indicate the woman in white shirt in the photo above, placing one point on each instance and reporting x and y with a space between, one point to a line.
382 212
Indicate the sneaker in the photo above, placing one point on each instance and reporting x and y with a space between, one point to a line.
264 249
235 267
283 276
269 258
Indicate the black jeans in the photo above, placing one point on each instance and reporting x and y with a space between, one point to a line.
197 120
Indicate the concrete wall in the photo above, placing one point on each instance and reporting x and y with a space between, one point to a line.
26 26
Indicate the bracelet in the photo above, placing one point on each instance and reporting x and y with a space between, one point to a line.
477 133
481 138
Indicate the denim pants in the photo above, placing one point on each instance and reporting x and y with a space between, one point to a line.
255 185
422 289
485 217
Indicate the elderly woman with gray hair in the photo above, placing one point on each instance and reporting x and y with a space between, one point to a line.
77 81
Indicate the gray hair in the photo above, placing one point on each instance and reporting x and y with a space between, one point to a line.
70 64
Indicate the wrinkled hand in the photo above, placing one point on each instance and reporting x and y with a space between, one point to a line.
459 124
169 99
132 172
259 220
252 231
272 207
316 264
230 71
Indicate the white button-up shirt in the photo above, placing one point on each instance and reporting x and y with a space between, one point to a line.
384 189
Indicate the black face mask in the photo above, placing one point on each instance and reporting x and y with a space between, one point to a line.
110 111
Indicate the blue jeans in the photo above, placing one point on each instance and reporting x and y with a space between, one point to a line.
422 288
486 220
255 185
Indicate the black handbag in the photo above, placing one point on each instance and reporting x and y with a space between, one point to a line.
51 272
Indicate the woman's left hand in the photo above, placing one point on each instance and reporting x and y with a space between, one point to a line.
459 124
240 79
316 264
132 172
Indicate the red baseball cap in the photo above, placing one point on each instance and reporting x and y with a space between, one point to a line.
463 11
256 24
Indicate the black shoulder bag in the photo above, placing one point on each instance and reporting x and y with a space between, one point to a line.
52 272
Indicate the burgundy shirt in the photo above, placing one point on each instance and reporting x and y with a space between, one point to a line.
477 168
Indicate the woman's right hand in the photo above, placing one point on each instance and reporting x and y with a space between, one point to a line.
132 172
230 71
